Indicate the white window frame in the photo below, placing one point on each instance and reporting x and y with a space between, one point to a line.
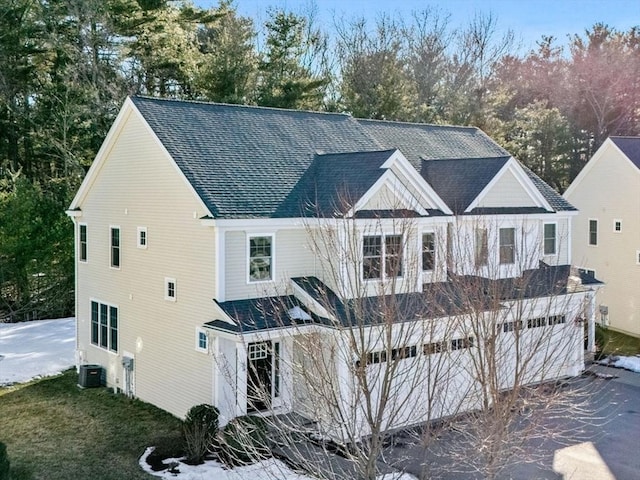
111 265
555 239
167 282
433 252
589 232
272 268
383 256
513 246
586 270
616 222
141 231
481 247
201 331
637 257
86 243
109 306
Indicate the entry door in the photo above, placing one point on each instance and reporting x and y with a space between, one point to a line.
259 376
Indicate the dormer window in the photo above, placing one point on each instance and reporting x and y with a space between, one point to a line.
428 251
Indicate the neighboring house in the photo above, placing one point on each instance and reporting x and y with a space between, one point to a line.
199 269
606 233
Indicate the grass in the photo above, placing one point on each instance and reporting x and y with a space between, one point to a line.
616 343
55 430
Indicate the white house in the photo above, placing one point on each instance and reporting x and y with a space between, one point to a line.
606 232
238 256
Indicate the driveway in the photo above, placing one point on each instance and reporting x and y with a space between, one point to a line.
605 445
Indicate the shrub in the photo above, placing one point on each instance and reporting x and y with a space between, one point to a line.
199 429
4 463
244 441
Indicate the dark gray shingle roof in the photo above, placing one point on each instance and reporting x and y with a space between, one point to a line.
630 146
256 162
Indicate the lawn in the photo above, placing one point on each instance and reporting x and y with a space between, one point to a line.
616 343
55 430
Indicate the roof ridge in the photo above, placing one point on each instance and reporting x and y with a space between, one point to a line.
355 152
419 124
462 158
237 105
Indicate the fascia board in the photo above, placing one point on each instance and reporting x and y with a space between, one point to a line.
417 181
523 179
608 143
106 147
128 109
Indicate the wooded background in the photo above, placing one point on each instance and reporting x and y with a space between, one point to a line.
66 66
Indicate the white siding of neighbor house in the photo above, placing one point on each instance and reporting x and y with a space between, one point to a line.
610 190
507 191
139 186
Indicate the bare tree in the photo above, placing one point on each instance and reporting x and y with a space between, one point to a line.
402 328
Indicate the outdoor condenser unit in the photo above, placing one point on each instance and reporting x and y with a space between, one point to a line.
90 376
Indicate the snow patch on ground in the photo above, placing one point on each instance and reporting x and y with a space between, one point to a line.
628 363
41 348
264 470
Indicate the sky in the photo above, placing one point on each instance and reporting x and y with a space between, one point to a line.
529 19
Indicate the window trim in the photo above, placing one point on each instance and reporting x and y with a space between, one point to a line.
205 333
109 328
481 251
555 238
272 269
589 232
637 257
432 251
83 258
617 221
111 247
140 231
167 290
512 245
383 257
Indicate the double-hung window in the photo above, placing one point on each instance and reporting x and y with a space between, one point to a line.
114 244
170 289
82 242
482 247
593 232
379 250
261 258
104 326
550 242
507 245
428 251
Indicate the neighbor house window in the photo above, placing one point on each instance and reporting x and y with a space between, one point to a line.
104 326
170 289
550 239
428 251
637 257
507 245
461 343
617 226
202 340
378 250
482 247
82 245
114 242
593 232
142 237
260 258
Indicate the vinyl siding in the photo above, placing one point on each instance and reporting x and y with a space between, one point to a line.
611 190
507 191
292 257
138 186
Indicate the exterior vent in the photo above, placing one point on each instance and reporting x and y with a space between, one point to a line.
90 376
